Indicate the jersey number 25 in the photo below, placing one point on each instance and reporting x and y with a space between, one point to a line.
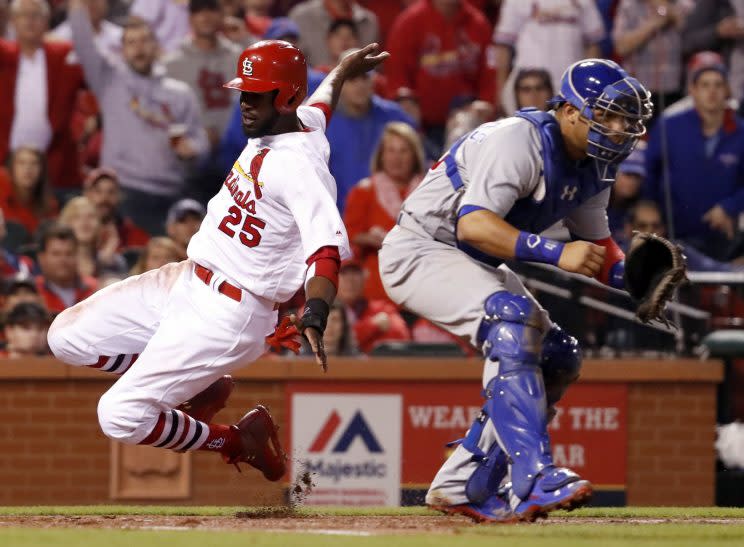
249 234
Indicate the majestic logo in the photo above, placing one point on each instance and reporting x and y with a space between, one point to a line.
247 67
358 427
216 444
569 192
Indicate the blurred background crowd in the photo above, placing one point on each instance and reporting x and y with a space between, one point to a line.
115 131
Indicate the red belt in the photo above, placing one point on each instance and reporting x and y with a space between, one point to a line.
229 290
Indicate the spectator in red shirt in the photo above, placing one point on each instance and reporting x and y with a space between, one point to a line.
372 321
24 194
48 79
60 284
101 187
373 205
386 12
25 331
440 50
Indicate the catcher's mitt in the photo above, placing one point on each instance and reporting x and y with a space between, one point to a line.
654 268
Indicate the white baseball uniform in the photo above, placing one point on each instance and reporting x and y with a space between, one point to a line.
276 208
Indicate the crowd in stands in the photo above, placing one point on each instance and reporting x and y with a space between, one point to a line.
115 129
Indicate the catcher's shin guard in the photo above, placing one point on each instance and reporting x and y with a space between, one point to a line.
560 362
515 397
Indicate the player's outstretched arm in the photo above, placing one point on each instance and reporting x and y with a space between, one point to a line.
351 66
491 234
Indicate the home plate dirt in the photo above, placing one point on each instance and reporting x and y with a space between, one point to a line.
284 520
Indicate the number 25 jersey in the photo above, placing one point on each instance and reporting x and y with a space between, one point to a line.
275 209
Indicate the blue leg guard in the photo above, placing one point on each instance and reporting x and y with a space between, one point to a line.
493 466
515 398
560 363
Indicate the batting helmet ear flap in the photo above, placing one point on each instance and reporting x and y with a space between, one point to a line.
289 98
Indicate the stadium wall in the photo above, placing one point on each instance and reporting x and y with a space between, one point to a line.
54 454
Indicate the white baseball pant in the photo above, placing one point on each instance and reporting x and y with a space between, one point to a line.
187 335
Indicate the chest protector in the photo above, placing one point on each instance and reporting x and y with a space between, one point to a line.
567 184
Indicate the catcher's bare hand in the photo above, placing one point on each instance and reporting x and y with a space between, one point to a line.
582 257
362 61
315 340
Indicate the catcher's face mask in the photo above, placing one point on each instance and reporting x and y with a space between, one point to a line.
615 105
617 119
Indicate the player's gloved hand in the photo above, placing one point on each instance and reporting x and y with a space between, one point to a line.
284 337
582 257
312 324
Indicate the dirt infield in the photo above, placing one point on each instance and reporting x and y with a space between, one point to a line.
281 520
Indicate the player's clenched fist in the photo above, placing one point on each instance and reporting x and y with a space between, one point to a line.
582 257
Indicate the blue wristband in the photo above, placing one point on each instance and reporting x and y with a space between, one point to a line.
534 248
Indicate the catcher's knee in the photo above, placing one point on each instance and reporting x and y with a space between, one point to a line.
560 363
510 330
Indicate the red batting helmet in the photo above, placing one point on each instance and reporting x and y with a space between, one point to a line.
273 65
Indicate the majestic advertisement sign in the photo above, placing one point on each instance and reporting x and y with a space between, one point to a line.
350 445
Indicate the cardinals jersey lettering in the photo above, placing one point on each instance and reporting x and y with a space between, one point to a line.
275 209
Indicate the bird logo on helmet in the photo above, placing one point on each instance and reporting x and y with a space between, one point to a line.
273 65
598 87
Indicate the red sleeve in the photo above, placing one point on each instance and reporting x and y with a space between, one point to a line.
402 66
326 109
613 255
324 262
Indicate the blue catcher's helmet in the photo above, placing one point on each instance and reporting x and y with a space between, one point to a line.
598 87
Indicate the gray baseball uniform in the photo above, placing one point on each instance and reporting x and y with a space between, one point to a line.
500 167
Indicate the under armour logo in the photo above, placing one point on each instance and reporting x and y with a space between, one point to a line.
247 67
569 192
216 444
